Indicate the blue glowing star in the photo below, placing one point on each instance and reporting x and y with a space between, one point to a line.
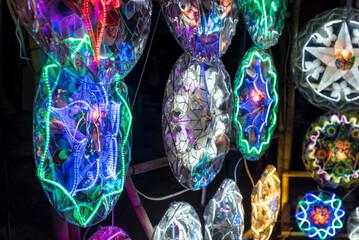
92 155
320 214
258 104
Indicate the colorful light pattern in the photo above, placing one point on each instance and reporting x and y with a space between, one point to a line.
325 63
265 201
320 215
203 28
110 233
255 103
353 225
331 150
196 120
264 20
180 222
95 39
81 144
224 214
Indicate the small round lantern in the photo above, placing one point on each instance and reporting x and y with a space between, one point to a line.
110 233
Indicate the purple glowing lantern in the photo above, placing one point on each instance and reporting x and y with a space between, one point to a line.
110 233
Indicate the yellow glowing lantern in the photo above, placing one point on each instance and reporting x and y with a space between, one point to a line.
265 199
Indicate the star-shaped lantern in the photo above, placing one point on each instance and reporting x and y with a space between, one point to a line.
320 214
327 60
331 150
255 103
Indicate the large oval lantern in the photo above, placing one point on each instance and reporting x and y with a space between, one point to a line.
265 200
81 144
203 28
353 225
326 60
180 222
320 214
264 20
255 103
331 150
224 214
196 120
98 39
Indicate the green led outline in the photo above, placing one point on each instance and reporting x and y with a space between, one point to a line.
248 149
265 18
40 172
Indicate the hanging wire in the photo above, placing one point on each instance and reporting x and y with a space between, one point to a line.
347 195
113 216
164 197
148 53
84 238
247 170
235 169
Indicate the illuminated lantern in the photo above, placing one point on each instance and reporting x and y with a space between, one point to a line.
255 103
196 120
180 222
110 233
224 214
103 38
81 144
320 214
265 200
203 28
353 225
264 20
331 150
325 60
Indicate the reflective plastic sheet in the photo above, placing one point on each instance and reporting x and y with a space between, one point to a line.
264 20
331 150
224 214
326 60
353 225
196 120
81 144
180 222
255 103
265 200
203 28
96 39
110 233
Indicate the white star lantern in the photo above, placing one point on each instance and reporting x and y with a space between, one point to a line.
326 60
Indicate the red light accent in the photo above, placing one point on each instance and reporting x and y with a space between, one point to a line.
97 40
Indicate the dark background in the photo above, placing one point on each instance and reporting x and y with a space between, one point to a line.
29 209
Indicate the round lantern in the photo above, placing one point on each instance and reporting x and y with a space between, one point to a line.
264 20
353 225
103 38
81 144
203 28
320 214
110 233
325 60
196 120
265 200
331 149
180 222
255 103
224 214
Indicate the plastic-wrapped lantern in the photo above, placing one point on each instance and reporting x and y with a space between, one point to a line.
353 225
103 38
110 233
203 28
180 222
81 144
255 103
224 214
320 214
325 60
264 20
265 200
331 150
196 120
